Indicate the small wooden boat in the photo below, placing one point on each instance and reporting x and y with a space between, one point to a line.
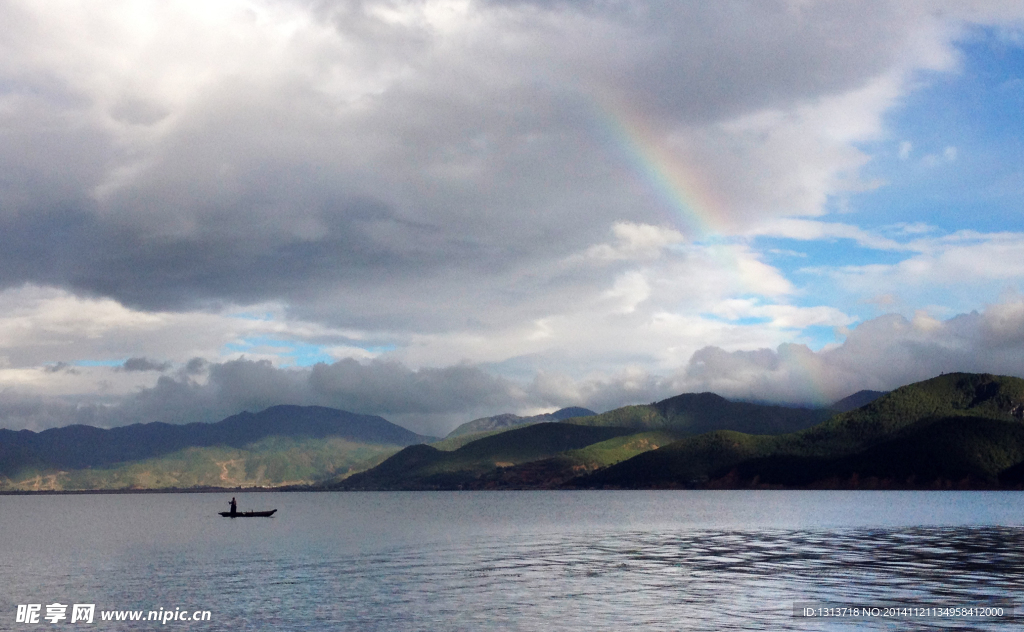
248 514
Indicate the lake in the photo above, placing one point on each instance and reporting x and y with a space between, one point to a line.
592 560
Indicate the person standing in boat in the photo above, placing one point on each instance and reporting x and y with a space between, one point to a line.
234 506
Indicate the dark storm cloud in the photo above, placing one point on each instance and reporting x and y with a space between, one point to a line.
95 255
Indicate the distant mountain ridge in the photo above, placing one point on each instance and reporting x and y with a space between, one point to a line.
858 399
697 413
957 430
508 420
541 454
78 446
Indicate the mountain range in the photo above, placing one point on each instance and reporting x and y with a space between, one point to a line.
548 454
956 430
508 420
279 445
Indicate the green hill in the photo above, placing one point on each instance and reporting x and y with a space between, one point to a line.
962 429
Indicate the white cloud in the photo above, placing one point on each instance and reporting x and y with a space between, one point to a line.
964 259
647 305
629 290
880 354
948 155
812 230
635 242
783 316
42 328
910 228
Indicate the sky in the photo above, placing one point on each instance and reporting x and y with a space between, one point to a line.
438 210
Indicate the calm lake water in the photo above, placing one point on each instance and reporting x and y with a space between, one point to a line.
672 560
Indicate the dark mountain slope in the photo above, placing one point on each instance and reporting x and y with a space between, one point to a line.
424 467
948 452
858 399
697 413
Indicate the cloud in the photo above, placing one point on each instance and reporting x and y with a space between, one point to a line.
987 260
808 230
948 155
783 316
143 364
519 189
882 300
60 367
195 366
307 154
41 326
880 354
635 242
651 309
429 400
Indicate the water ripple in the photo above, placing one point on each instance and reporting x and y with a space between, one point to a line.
696 580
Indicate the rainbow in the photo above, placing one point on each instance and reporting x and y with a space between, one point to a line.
806 367
694 207
698 212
